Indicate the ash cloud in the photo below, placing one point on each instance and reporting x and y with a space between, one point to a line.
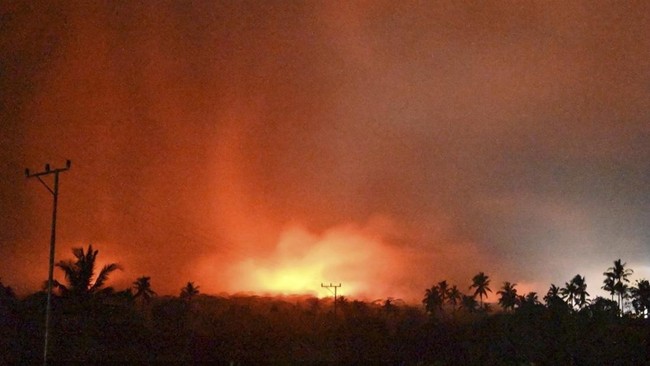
514 137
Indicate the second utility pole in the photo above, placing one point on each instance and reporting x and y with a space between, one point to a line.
335 287
55 193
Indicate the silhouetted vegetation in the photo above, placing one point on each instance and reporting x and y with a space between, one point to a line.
143 289
98 325
481 284
80 274
189 291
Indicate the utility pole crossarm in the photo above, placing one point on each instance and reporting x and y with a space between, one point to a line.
47 171
28 174
335 288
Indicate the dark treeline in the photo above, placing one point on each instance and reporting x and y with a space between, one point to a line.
93 323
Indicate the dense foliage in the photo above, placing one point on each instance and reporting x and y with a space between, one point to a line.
451 328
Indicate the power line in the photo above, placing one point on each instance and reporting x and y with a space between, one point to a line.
55 194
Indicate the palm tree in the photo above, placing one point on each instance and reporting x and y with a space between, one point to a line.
553 298
469 303
582 293
602 308
641 297
443 289
619 275
530 299
579 288
552 294
432 300
508 294
609 284
189 291
80 274
143 289
454 296
623 292
482 284
569 292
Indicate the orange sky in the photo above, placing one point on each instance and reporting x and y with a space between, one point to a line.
384 146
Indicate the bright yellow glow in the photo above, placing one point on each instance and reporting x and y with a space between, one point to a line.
289 280
302 261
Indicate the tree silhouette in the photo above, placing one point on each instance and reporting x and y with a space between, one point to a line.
553 298
143 289
641 297
80 274
529 299
618 274
508 296
609 284
6 292
189 291
469 303
443 290
432 300
581 293
343 303
389 306
454 296
568 292
342 300
553 292
481 282
576 291
313 304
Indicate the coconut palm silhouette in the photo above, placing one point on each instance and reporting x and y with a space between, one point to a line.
80 274
481 282
143 289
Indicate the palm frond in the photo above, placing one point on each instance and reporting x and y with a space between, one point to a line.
103 275
78 253
67 266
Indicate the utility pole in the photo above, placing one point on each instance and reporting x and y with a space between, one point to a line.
335 288
55 194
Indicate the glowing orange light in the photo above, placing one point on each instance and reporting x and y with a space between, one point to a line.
292 280
302 261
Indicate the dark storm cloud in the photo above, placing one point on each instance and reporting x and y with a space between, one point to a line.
508 133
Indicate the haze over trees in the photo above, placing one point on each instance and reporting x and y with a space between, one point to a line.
93 323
